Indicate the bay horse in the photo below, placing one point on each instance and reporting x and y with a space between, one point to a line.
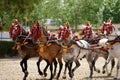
27 49
48 50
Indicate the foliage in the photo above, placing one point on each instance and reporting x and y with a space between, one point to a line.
6 49
76 12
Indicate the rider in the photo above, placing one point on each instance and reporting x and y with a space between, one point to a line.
87 31
15 26
107 27
36 27
66 30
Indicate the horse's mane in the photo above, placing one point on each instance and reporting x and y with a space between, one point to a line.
45 32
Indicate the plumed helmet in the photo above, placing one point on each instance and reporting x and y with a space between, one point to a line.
87 23
108 20
38 22
67 24
15 21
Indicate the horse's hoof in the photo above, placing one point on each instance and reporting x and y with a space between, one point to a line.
109 74
64 77
40 73
26 73
103 72
115 78
89 78
24 78
45 74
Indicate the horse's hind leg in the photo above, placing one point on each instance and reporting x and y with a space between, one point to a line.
77 65
38 66
112 66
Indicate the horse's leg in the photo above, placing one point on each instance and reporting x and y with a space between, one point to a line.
44 72
77 65
66 66
22 66
112 66
118 66
61 65
51 69
70 70
38 66
89 58
55 64
25 64
93 63
107 61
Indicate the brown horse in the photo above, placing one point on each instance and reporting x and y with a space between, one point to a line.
27 49
49 51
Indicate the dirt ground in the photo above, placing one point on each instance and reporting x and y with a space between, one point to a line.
10 70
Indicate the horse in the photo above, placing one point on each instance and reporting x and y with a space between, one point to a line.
99 52
73 51
48 50
27 49
113 49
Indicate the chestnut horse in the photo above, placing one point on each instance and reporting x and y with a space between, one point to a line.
48 50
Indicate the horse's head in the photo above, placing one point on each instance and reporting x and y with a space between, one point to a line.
66 38
114 34
39 33
15 32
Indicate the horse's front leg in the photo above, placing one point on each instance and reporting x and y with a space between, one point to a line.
38 66
44 72
61 65
112 66
55 65
71 74
23 64
66 66
107 61
51 69
93 63
77 65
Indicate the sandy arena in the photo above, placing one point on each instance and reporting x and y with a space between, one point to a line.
10 70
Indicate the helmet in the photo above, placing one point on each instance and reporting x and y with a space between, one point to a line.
108 20
15 21
38 22
88 24
67 24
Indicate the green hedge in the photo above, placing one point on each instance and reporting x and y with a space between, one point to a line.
6 49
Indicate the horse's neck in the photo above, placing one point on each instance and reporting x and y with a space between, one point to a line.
43 39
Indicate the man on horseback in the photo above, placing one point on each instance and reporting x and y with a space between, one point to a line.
107 27
15 29
36 28
87 32
64 30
